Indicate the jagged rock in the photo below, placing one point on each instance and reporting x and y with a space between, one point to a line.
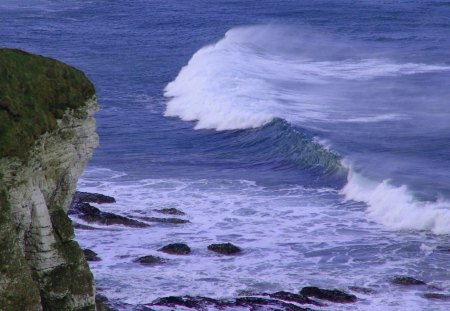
205 303
150 260
437 296
174 221
224 248
47 135
170 211
259 301
301 299
89 213
90 255
87 197
332 295
406 281
176 249
102 303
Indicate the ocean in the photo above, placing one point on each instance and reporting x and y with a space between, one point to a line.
315 135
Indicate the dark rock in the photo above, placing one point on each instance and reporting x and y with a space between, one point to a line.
176 249
102 303
170 211
406 281
301 299
86 197
224 248
443 249
89 213
196 303
437 296
84 227
150 260
333 295
205 303
90 255
259 301
362 290
174 221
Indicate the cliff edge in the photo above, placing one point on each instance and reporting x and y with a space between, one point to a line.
47 135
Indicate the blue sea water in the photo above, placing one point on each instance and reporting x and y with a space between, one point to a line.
314 134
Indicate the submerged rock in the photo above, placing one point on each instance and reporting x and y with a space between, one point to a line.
437 296
89 213
90 255
259 301
150 260
332 295
362 290
406 281
87 197
170 211
174 221
224 248
176 249
297 298
205 303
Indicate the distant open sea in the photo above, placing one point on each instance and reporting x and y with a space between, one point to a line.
313 134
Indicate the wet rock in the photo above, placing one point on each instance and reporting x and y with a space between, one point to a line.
176 249
170 211
332 295
259 301
362 290
150 260
224 248
437 296
406 281
297 298
83 227
197 303
102 303
90 255
174 221
205 303
89 213
87 197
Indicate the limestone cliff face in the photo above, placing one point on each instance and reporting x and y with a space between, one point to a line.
41 266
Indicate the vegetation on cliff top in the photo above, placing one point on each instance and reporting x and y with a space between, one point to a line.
34 92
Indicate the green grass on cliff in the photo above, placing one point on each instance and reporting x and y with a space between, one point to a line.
34 92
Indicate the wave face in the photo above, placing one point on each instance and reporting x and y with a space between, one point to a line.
255 74
289 83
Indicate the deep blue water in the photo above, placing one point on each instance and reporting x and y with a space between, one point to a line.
350 96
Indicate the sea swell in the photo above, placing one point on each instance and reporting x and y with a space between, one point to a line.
270 87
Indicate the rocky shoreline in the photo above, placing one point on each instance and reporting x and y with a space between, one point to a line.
307 298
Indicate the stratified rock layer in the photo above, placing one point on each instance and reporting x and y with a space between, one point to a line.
41 266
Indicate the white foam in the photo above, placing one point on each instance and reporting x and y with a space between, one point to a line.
291 237
257 73
396 207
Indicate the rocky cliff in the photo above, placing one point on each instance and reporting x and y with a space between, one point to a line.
47 135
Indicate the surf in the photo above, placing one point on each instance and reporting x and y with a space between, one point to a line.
288 86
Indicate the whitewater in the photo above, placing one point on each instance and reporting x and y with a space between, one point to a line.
314 135
255 74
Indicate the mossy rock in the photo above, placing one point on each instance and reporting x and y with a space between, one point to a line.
18 291
176 249
62 224
224 248
35 91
